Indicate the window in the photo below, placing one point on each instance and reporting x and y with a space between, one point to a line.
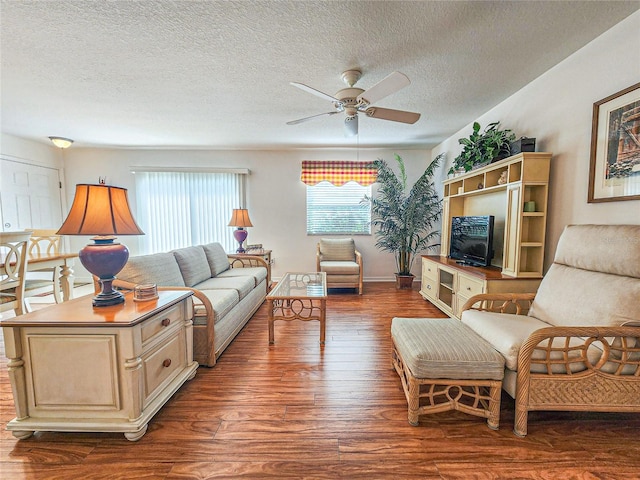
335 194
332 209
185 208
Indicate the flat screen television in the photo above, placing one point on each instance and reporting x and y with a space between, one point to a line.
472 240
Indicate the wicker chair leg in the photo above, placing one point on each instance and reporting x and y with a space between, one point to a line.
493 419
520 422
413 399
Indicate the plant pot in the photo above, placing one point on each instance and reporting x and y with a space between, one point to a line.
404 282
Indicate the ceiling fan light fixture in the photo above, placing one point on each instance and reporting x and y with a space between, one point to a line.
61 142
351 77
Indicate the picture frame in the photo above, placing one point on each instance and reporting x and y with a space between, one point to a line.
614 171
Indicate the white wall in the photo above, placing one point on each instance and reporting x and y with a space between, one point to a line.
556 109
276 198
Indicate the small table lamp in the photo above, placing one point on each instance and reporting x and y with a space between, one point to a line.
240 219
102 210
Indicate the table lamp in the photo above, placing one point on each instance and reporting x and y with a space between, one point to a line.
103 211
240 219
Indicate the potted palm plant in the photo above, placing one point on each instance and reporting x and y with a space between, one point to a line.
405 218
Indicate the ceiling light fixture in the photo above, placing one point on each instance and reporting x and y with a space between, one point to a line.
61 142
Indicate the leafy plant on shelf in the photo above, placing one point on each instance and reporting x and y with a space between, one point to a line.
483 147
405 219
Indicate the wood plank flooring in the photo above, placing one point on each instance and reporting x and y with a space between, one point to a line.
296 410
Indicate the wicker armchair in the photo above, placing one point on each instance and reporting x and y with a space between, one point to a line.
578 346
342 263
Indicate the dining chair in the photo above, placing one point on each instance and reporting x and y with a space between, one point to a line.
45 281
13 255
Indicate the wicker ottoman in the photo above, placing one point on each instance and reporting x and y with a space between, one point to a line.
444 365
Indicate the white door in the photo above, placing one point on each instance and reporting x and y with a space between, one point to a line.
29 196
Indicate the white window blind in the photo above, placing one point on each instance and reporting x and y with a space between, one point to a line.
181 209
338 210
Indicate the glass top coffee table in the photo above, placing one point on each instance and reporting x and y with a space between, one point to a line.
299 296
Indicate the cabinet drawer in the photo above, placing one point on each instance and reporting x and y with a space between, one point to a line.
468 286
429 270
163 363
161 323
428 287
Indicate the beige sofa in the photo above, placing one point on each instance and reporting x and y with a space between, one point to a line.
227 290
578 348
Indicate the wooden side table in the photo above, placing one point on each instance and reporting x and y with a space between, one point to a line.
76 368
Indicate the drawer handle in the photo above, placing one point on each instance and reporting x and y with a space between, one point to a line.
165 322
469 288
428 287
166 363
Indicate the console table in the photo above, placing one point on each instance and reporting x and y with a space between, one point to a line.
77 368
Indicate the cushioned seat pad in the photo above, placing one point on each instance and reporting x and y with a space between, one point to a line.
445 348
243 285
340 268
258 273
221 300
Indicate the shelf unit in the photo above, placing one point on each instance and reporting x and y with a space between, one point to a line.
502 189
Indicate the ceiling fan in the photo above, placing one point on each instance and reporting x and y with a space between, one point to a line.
354 100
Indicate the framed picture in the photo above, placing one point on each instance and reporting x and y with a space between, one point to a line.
614 173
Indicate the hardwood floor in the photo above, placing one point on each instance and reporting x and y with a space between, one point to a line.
295 410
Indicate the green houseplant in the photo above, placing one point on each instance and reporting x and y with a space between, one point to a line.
483 147
405 218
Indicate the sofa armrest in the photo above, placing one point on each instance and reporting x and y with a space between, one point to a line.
359 259
518 303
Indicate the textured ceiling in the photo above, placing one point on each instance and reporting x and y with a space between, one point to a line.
215 74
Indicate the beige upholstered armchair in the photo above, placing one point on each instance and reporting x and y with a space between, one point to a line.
578 348
342 263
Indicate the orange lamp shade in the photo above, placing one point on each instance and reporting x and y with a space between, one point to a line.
240 218
100 210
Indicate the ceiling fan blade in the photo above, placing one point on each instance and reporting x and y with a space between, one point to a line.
315 92
393 115
388 85
305 119
351 126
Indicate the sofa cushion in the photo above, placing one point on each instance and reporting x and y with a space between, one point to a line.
258 273
340 268
159 268
217 258
193 265
243 285
576 297
337 249
507 333
222 301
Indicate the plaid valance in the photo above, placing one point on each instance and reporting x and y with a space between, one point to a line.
338 172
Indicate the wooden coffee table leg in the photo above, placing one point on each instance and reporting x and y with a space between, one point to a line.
270 307
323 320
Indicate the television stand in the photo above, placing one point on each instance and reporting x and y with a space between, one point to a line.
468 264
448 284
